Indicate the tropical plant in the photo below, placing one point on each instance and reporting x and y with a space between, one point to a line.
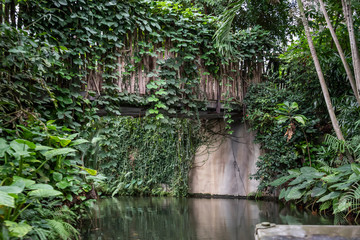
16 198
269 118
36 169
287 114
335 189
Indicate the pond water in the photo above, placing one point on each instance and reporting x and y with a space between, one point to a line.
187 218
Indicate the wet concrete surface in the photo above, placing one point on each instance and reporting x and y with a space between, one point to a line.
308 232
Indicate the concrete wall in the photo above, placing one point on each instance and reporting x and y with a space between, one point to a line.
226 166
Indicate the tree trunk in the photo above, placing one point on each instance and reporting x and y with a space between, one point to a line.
12 13
341 53
354 50
1 12
319 72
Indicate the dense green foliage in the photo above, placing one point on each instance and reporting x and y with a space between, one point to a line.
40 171
54 55
67 60
142 156
298 142
332 188
281 151
60 52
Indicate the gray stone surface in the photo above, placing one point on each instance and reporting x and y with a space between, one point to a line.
225 167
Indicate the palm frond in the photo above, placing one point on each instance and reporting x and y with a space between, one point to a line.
222 35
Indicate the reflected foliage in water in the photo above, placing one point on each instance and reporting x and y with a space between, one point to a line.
192 218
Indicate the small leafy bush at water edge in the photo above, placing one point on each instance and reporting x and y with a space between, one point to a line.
335 189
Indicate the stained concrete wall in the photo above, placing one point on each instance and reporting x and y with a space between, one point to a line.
225 167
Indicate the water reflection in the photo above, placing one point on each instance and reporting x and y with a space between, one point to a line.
193 218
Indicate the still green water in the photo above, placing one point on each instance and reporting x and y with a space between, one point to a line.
187 218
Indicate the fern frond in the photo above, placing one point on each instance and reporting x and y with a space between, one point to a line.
42 233
325 167
339 218
65 213
58 227
335 144
74 232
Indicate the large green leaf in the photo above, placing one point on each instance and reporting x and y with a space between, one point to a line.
57 176
318 191
3 147
329 196
78 141
308 170
344 168
11 189
19 181
52 153
96 139
341 186
283 193
41 186
282 180
43 193
281 119
6 200
40 147
300 119
294 106
298 180
294 193
63 141
18 229
21 149
331 178
28 143
343 205
325 205
88 170
63 184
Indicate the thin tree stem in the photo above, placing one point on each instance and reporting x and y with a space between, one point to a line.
320 74
353 45
341 52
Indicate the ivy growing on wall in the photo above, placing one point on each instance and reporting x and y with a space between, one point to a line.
142 156
85 55
68 59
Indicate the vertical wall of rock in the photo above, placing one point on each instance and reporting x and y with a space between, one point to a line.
225 167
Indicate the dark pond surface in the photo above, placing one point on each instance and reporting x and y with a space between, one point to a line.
188 218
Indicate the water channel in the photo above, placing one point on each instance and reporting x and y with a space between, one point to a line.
164 218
